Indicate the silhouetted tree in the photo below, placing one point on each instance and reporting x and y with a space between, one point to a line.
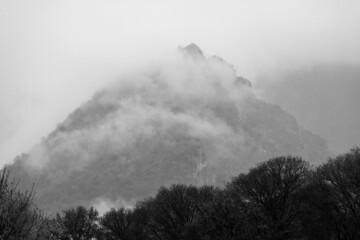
224 217
334 198
174 213
19 217
117 224
270 191
78 223
279 199
124 224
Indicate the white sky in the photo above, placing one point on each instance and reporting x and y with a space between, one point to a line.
54 54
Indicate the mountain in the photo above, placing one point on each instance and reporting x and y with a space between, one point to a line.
324 99
188 120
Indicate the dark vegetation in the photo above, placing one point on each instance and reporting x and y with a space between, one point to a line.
282 198
19 218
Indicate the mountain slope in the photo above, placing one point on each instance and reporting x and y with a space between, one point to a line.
324 99
191 120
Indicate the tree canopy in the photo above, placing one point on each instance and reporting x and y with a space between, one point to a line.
282 198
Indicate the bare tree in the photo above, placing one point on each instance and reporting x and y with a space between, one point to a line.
334 197
19 217
271 190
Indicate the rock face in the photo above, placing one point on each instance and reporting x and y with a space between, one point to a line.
191 121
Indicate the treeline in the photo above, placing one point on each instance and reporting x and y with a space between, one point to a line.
282 198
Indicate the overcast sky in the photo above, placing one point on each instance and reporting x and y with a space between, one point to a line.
55 54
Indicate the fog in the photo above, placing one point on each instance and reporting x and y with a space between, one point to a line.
55 54
323 98
159 102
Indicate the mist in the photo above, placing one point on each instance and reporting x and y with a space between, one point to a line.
323 98
103 205
55 55
174 96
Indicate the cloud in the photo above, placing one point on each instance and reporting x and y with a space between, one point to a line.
103 205
55 56
322 98
176 97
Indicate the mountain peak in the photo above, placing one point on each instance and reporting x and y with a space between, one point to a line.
193 50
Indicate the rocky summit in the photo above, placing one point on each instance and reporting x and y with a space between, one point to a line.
192 120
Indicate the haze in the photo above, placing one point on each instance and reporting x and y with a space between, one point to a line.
55 54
